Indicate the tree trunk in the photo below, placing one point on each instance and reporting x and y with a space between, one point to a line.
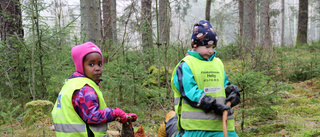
146 24
208 7
302 22
58 15
11 34
164 21
318 24
114 20
107 32
249 22
265 24
146 30
90 20
10 21
249 29
38 45
241 8
282 22
109 23
34 15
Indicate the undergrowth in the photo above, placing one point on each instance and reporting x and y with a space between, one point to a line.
280 101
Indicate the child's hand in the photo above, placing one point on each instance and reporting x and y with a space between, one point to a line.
206 103
131 117
118 113
219 108
234 98
233 94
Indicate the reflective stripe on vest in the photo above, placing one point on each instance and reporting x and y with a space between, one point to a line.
98 128
209 76
176 101
66 120
201 114
69 128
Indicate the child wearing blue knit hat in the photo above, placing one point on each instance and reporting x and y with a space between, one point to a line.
199 81
203 34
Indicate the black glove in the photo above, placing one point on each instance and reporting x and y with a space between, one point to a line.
219 108
233 94
208 103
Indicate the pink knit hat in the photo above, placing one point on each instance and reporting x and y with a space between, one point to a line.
80 51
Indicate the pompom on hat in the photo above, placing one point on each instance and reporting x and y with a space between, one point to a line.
203 34
80 51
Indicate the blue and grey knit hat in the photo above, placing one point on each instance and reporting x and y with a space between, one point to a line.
203 34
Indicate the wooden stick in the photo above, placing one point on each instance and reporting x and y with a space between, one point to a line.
127 127
224 121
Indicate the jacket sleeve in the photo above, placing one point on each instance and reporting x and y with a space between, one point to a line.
226 79
86 103
187 86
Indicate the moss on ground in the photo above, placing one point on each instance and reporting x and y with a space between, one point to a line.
39 110
297 116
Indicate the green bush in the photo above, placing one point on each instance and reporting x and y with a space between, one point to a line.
36 111
228 52
10 112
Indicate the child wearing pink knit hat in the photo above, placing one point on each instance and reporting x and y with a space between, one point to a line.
80 109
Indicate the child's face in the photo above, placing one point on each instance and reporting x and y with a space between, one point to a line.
205 51
92 66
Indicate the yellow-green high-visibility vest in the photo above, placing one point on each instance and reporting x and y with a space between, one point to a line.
66 121
209 76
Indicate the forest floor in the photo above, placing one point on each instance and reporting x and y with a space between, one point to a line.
298 115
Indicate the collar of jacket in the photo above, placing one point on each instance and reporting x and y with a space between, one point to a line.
198 56
77 74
